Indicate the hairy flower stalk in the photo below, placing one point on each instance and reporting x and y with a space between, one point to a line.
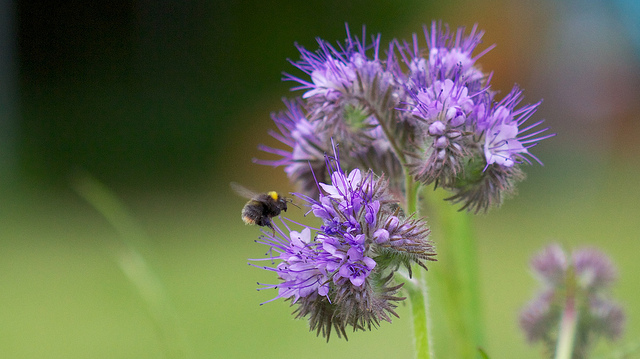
573 308
343 274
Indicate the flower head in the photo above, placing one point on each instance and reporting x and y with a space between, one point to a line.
350 92
337 73
443 108
451 55
343 274
464 140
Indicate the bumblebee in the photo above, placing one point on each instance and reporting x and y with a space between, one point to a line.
261 206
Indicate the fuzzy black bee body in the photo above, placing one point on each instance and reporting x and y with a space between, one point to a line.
261 206
260 209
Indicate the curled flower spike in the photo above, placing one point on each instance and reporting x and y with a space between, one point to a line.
343 275
574 289
443 107
502 143
465 142
353 93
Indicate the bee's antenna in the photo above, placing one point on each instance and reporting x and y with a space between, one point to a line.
291 201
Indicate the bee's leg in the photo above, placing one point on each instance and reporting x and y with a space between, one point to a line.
269 224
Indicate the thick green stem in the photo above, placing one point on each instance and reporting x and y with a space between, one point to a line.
417 287
457 271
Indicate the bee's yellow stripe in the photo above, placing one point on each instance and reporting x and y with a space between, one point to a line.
273 194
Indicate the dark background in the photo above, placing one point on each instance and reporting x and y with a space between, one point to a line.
153 93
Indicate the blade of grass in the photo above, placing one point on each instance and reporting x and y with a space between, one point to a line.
139 273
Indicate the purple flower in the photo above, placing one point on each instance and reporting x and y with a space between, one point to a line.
330 78
429 111
506 143
450 57
538 316
336 73
576 283
443 108
343 275
444 98
550 265
464 141
351 93
501 142
451 54
299 271
594 271
307 142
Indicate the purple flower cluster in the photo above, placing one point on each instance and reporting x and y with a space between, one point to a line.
467 142
434 116
581 280
343 274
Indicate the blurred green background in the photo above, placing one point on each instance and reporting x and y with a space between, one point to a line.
165 102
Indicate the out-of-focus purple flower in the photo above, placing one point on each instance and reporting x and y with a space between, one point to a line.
307 142
538 316
550 265
594 271
576 283
343 276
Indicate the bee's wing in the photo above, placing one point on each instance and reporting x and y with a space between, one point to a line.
242 190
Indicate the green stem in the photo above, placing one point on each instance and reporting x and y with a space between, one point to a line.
458 274
569 321
567 336
411 197
416 287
